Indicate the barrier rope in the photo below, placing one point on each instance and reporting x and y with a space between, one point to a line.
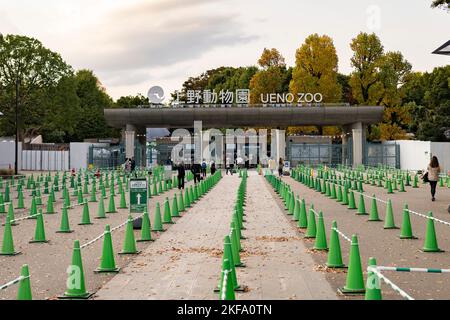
12 282
403 269
394 287
411 211
342 235
25 218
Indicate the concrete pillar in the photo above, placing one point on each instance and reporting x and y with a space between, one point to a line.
345 154
278 145
130 136
359 139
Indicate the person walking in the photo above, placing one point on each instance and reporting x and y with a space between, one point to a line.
213 168
196 170
280 167
204 166
181 174
433 171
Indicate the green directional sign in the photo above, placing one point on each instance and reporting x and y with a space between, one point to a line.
138 195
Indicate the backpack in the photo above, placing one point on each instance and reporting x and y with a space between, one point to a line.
204 165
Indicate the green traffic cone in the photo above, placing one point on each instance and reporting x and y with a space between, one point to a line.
8 242
351 200
157 223
146 234
373 285
76 288
321 238
389 186
123 203
50 208
181 207
24 291
296 210
389 218
406 230
39 234
175 212
129 245
167 217
107 262
311 229
431 244
226 288
302 217
334 259
93 195
112 205
101 210
345 196
10 215
355 280
20 202
33 208
85 219
187 201
64 226
374 210
361 206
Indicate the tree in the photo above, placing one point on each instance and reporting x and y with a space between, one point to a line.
443 4
272 76
315 71
132 101
364 81
62 111
93 99
41 73
271 58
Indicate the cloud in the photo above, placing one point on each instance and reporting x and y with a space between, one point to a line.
130 42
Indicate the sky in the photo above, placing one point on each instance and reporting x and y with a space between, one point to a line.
132 45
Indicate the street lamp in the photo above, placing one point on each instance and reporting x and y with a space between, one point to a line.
17 129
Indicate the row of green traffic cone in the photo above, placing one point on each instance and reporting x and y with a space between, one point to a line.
228 283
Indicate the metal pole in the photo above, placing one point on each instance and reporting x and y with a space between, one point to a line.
17 129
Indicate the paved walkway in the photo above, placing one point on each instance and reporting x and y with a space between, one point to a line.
278 265
184 263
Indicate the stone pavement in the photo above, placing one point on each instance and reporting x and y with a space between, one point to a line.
184 263
278 264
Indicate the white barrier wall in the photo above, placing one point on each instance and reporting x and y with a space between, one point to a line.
7 154
44 160
442 151
414 155
79 155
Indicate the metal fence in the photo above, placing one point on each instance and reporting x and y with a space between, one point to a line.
384 154
314 154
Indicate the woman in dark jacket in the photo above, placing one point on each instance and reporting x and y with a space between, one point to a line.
213 168
181 174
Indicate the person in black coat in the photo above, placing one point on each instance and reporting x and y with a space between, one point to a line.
196 170
213 168
181 174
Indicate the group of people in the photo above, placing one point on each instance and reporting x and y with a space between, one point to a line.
197 169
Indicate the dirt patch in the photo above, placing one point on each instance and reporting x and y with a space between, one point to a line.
277 239
213 252
324 269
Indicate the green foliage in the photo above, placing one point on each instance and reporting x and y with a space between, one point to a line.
428 94
132 101
52 100
315 71
41 75
93 99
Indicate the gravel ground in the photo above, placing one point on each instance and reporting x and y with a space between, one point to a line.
385 245
48 261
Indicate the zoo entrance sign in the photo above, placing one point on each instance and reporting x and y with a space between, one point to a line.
238 96
242 96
